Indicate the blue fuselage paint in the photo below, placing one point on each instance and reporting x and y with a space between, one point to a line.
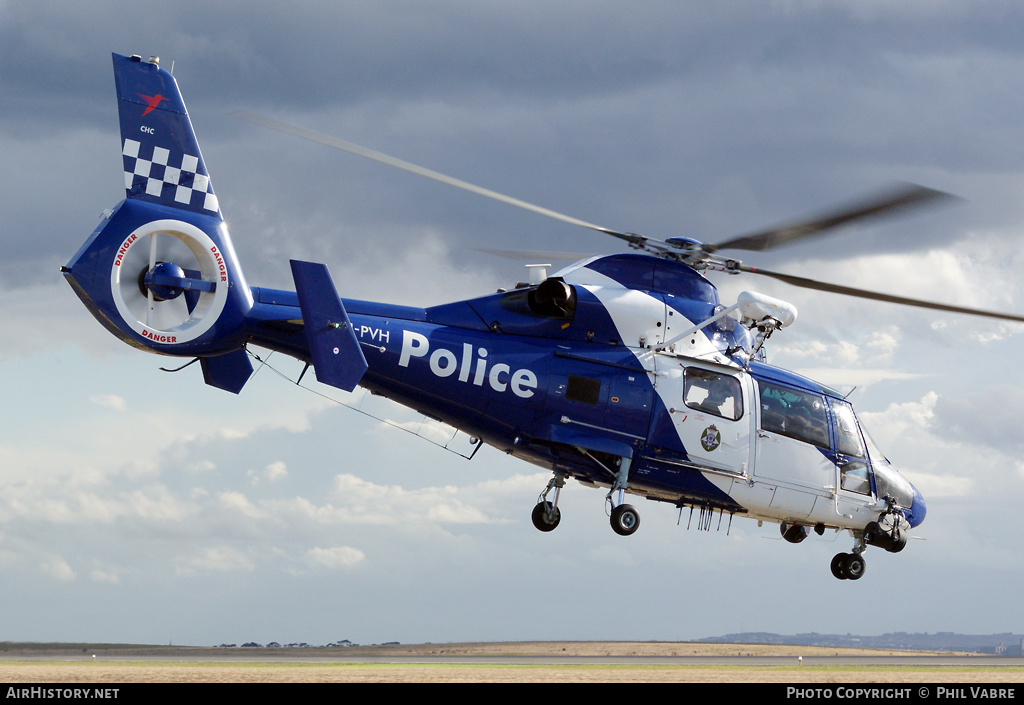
514 390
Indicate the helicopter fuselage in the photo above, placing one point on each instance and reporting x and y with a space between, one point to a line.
582 389
622 371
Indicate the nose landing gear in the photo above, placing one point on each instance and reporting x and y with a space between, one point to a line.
890 532
848 566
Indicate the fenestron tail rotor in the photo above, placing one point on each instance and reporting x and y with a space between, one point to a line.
169 281
690 251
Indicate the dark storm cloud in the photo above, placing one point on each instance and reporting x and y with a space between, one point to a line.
312 54
674 119
321 54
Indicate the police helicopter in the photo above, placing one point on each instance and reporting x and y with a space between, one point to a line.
622 371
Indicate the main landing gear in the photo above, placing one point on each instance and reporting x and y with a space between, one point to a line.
624 518
546 515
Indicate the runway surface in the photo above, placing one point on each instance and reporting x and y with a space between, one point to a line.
836 660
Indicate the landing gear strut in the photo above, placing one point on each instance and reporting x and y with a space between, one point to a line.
625 519
545 514
890 532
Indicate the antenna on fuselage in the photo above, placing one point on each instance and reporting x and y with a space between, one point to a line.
538 273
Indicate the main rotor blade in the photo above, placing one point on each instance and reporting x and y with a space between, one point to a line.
806 283
335 143
902 197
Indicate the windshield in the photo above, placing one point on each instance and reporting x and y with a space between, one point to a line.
874 453
847 434
888 481
891 483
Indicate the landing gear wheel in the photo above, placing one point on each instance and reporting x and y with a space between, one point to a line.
854 566
625 520
546 517
838 563
848 566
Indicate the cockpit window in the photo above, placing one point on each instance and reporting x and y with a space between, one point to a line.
793 413
854 477
715 393
874 454
847 432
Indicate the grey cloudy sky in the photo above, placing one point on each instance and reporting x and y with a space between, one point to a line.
144 507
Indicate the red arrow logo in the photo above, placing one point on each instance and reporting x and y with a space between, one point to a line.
151 102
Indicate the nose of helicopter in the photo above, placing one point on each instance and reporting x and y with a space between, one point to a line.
918 509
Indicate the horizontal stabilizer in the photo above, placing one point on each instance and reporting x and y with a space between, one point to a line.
228 372
337 358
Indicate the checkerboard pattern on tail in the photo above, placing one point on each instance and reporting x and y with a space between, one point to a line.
156 177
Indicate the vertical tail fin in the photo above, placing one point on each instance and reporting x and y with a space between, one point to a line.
162 162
